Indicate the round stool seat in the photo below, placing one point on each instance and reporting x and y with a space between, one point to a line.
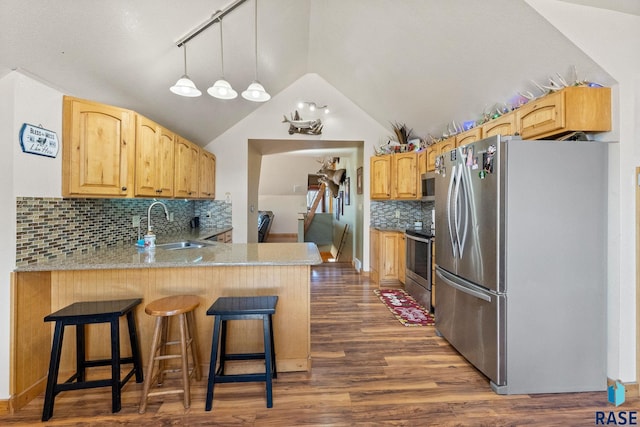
172 306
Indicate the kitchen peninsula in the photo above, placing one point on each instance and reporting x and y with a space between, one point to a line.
210 271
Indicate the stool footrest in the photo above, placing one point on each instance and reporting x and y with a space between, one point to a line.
239 378
243 356
106 362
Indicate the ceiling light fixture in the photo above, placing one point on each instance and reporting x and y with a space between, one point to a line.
184 86
222 89
255 92
312 106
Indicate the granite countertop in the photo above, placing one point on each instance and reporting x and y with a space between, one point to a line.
213 254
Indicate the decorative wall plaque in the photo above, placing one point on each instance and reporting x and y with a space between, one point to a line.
37 140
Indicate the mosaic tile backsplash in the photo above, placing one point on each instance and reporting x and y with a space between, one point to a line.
48 228
383 214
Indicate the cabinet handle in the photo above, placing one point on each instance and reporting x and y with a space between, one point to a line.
124 188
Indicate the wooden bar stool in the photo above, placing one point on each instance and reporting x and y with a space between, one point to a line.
242 308
182 306
85 313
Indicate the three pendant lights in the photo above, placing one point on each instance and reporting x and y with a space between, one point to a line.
222 89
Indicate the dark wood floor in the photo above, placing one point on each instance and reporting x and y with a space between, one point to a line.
368 370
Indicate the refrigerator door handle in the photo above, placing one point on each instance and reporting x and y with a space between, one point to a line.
477 294
462 211
457 213
449 195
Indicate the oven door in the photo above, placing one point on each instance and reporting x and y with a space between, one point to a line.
418 269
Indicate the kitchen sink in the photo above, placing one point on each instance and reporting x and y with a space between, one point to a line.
185 244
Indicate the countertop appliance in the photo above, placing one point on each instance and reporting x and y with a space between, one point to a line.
521 262
418 265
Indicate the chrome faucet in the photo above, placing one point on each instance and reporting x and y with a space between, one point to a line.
166 212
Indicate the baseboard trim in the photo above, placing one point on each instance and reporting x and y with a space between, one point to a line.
21 400
4 407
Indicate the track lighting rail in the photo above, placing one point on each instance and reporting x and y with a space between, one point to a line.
209 22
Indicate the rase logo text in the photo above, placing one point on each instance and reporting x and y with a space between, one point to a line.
619 418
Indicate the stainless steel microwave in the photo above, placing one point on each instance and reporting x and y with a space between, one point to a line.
428 184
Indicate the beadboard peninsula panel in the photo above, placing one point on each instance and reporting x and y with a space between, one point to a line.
40 293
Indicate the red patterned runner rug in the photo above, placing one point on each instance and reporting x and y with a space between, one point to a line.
404 307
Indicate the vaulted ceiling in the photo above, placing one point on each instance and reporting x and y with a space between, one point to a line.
420 62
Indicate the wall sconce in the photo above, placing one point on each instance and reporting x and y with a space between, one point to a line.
312 106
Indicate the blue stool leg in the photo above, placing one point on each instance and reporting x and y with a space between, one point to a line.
135 346
212 363
54 366
115 364
268 367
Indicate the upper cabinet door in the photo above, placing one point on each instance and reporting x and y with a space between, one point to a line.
504 125
187 169
97 149
380 179
154 159
207 188
467 137
405 176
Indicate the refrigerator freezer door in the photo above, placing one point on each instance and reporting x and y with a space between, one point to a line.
471 319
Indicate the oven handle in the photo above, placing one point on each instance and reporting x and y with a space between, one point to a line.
419 239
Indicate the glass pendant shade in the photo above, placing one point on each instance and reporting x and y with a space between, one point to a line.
256 93
221 89
185 87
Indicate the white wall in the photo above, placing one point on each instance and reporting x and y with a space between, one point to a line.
612 40
347 122
22 100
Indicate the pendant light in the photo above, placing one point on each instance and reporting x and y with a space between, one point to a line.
255 92
222 89
184 86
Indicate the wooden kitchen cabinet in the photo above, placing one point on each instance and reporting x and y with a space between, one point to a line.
387 257
207 185
571 109
469 136
380 177
225 237
374 261
395 176
432 153
422 162
401 251
446 145
98 149
504 125
155 151
187 177
404 176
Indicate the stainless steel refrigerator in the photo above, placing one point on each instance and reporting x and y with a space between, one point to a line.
521 262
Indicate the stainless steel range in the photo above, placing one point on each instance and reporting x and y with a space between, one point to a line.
418 265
